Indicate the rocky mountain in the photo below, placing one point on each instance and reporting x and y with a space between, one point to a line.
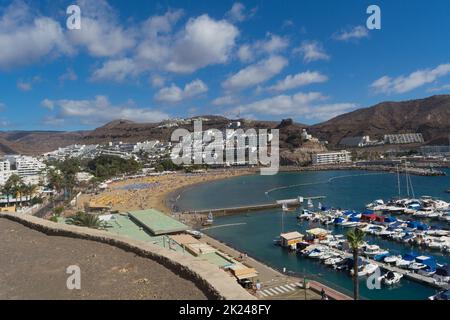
429 116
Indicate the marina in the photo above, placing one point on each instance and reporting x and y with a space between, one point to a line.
345 190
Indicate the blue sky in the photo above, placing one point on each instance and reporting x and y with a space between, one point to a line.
151 60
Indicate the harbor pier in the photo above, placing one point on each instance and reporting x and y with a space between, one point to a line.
291 203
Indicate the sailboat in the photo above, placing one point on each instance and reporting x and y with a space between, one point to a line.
285 208
210 219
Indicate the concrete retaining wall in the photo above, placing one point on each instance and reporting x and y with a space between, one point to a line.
214 282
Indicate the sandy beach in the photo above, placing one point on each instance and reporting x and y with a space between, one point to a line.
153 191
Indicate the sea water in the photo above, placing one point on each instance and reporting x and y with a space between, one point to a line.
254 232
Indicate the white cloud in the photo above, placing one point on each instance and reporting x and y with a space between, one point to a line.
445 87
256 73
270 45
69 75
312 51
354 33
245 53
27 85
238 13
175 94
101 32
410 82
298 80
98 111
157 81
116 70
24 86
225 100
26 38
307 105
204 41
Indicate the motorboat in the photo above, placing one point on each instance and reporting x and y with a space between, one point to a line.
373 250
424 212
316 254
405 261
392 259
390 278
305 214
428 271
416 266
350 224
365 270
333 261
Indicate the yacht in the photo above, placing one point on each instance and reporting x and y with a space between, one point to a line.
392 259
373 250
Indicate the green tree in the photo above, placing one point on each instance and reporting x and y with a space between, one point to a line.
13 185
355 240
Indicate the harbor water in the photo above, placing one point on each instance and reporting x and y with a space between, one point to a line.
254 232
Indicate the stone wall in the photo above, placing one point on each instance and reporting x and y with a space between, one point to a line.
214 282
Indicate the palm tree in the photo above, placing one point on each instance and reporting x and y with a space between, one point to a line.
6 190
83 219
355 240
12 184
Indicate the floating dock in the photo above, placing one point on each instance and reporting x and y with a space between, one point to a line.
406 273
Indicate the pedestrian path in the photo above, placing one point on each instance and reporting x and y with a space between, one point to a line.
281 289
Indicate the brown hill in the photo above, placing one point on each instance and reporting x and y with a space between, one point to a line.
429 116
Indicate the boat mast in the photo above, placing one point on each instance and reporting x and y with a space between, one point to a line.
406 178
411 187
398 182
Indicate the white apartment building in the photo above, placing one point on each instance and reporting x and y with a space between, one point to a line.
30 169
331 158
5 171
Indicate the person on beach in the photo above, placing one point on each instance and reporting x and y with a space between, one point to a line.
324 296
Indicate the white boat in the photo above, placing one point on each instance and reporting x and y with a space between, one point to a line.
438 243
365 270
316 254
333 261
310 204
305 215
416 266
349 224
373 250
403 263
392 259
424 212
391 278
